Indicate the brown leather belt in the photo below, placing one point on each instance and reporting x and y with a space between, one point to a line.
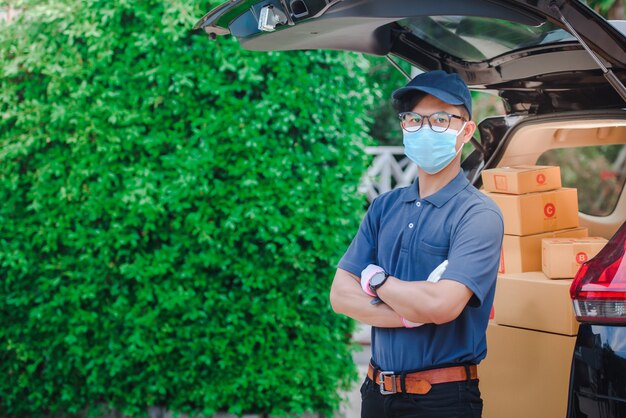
419 383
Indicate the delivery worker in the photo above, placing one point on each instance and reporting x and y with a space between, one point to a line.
427 370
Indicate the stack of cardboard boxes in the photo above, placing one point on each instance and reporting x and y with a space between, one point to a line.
530 341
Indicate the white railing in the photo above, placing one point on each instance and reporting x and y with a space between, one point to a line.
390 169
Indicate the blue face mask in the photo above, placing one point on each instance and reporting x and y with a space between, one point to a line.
431 151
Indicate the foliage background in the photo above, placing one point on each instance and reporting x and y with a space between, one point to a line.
172 213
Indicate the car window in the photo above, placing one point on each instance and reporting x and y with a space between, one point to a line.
478 39
596 171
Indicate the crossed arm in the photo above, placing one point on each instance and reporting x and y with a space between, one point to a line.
421 301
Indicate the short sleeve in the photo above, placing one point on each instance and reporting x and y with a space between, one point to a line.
474 255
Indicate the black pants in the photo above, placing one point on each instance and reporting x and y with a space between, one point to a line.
444 400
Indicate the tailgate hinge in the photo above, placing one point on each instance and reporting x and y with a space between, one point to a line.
615 82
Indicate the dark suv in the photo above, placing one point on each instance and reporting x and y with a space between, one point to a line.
598 376
559 69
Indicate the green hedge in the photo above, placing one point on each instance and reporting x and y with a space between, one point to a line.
172 213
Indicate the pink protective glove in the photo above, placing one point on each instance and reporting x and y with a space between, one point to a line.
409 324
366 275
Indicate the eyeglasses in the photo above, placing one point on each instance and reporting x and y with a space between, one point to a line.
438 122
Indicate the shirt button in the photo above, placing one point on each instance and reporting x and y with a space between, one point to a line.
418 204
411 225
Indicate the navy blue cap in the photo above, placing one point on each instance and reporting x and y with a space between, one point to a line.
448 88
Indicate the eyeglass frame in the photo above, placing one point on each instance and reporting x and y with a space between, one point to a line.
450 116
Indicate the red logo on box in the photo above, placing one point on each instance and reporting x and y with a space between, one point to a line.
541 178
581 257
549 210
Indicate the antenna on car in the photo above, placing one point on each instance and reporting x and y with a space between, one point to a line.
608 74
395 64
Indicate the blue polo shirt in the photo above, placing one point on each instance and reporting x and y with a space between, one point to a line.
408 237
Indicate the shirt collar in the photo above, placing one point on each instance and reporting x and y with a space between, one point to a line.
440 198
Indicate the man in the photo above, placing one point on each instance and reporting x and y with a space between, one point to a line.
425 370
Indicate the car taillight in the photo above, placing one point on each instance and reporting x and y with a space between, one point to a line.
599 288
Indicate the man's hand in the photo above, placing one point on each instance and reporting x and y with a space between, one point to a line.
366 275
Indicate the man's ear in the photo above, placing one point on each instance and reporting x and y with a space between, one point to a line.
468 131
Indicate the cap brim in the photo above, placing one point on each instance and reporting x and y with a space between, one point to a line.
444 96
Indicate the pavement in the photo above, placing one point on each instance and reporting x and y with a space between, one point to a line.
351 406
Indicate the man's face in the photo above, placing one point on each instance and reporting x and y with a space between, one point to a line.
430 104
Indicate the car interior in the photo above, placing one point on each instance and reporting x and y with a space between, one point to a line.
526 144
566 141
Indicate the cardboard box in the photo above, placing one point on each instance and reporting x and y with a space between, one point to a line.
521 254
531 300
522 179
525 374
534 213
562 257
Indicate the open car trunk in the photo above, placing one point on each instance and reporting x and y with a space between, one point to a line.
533 334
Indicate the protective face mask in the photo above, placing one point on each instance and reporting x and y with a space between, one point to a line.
431 151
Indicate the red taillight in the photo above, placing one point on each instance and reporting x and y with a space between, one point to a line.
599 288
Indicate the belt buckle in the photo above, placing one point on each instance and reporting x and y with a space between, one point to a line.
381 376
